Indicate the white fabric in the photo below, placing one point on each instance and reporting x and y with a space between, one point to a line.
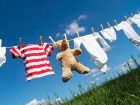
135 19
96 52
109 33
98 37
129 32
2 54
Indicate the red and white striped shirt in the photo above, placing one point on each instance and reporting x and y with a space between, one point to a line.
35 59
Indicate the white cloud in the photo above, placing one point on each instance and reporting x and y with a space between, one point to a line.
36 102
123 68
73 28
57 101
92 71
95 71
44 102
82 17
57 34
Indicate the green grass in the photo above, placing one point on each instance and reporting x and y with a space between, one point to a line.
124 90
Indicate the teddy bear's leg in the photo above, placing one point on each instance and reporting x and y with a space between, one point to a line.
81 68
66 73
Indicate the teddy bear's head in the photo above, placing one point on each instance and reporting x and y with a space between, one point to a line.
62 45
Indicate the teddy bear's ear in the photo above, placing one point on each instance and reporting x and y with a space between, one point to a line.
65 42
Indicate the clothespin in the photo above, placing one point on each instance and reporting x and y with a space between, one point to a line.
125 18
41 40
115 22
52 40
20 42
102 28
108 24
92 30
77 34
65 36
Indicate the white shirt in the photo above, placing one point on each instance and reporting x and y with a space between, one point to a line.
109 33
2 54
96 52
135 19
129 32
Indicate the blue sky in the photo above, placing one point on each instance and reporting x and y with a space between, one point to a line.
31 18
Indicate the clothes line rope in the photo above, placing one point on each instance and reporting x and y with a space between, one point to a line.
92 29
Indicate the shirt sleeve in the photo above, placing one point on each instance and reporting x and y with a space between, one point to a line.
77 43
48 49
15 52
106 47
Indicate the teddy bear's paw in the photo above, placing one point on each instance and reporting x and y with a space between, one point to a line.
86 71
66 78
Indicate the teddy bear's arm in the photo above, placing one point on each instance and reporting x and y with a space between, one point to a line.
59 56
76 51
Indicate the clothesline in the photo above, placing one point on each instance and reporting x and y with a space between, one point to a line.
91 29
31 44
35 59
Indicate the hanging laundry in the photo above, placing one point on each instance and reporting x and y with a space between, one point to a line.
2 54
35 59
126 27
98 37
135 19
109 33
97 54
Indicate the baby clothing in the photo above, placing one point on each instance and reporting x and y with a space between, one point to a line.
135 19
96 52
109 33
98 37
35 59
2 54
129 32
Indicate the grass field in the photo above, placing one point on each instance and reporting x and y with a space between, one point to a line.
124 90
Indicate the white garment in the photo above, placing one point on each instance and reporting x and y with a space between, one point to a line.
135 19
2 54
109 33
96 52
129 32
98 37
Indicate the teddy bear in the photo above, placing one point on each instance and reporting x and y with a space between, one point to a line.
67 58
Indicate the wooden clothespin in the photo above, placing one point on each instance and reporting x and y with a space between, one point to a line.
65 36
125 18
77 34
52 40
108 24
41 40
92 30
102 28
115 22
20 42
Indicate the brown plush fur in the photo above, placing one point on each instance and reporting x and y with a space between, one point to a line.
68 61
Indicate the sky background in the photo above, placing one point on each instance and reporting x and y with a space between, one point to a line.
31 18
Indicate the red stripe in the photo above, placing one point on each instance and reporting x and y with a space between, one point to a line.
39 72
35 54
14 52
36 60
31 49
38 66
46 46
50 52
